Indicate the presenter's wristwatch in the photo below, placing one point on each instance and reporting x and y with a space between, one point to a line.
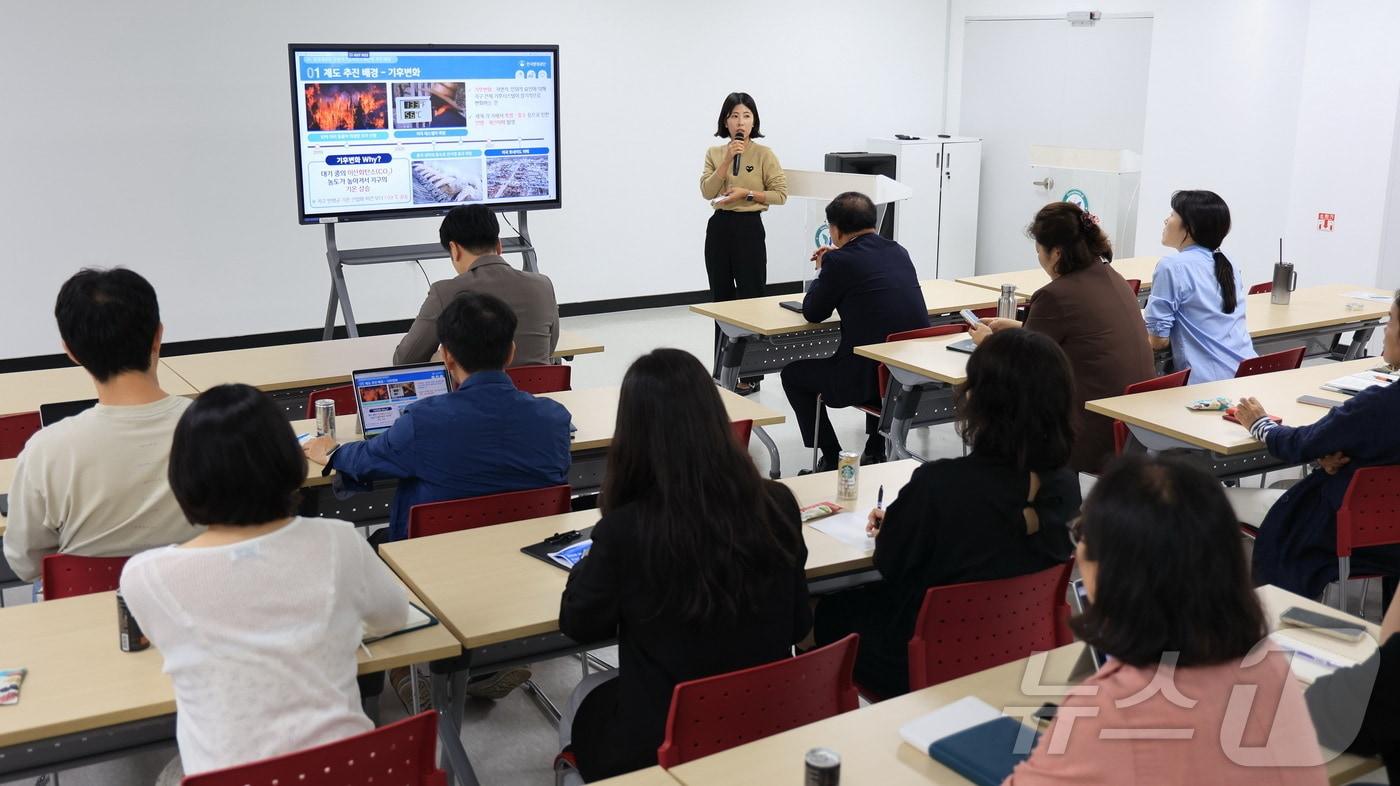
749 197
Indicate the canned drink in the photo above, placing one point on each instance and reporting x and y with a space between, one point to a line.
325 417
847 475
128 630
823 767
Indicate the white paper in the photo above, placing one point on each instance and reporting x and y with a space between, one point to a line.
848 526
962 714
1355 383
1371 296
1308 662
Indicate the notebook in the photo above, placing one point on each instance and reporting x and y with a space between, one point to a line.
987 753
967 346
1355 383
562 550
418 619
382 394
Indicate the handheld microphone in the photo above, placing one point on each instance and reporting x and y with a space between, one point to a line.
739 137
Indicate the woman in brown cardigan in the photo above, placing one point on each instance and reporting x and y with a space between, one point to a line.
1092 313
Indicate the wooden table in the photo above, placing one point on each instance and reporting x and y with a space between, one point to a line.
1316 317
313 364
80 681
1160 419
651 776
488 593
26 391
1029 280
872 751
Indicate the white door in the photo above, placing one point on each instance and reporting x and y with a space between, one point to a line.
1042 82
957 209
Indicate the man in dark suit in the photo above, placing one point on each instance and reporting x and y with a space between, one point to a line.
871 282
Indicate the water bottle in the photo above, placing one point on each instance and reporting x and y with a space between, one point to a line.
1006 304
1285 281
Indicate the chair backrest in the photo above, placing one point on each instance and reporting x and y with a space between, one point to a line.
905 335
1262 289
67 575
717 713
966 628
15 430
743 429
400 754
435 518
1135 284
342 395
1287 360
1173 380
541 379
1370 511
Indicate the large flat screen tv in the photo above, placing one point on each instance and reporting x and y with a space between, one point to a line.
399 131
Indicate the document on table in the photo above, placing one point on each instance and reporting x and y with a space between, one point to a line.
1355 383
848 526
1371 296
1310 661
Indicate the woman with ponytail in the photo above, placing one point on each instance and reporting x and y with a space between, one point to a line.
1092 313
1197 301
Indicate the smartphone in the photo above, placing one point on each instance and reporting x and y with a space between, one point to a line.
1327 625
1318 401
304 438
969 317
792 305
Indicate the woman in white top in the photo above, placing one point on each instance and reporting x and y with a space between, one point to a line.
259 618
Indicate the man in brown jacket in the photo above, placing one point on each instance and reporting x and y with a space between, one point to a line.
472 236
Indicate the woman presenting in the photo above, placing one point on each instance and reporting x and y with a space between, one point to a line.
741 180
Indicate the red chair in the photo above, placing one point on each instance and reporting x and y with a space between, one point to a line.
342 395
15 430
1175 380
883 373
68 575
400 754
1287 360
1262 289
1369 516
541 379
1134 284
454 515
743 429
967 628
717 713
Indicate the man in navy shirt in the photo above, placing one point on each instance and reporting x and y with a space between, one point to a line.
484 437
871 281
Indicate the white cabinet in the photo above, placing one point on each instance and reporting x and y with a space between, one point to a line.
938 224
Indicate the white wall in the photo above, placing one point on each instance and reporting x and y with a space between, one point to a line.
157 136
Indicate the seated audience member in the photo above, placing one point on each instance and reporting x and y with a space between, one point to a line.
1297 545
94 484
696 570
1357 709
472 235
1196 306
1001 511
1091 312
1186 696
871 282
259 618
484 437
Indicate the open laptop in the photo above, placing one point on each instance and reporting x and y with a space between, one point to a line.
50 414
382 394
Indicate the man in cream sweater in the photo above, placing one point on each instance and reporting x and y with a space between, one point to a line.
95 484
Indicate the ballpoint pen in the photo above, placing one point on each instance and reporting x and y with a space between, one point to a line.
880 498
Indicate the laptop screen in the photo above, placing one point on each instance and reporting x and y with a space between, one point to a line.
383 393
50 414
1081 603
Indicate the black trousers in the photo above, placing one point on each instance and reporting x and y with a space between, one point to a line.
803 381
736 260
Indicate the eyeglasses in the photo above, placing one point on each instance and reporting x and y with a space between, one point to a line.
1076 530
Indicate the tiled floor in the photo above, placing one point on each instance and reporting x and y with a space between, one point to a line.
509 741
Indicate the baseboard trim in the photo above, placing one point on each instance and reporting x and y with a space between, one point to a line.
177 348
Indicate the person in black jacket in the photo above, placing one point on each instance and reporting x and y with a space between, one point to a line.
1001 511
697 566
871 281
1357 709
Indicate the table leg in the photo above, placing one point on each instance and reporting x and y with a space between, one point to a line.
1359 340
454 756
731 356
775 467
906 405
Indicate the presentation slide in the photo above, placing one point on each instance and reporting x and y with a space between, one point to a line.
414 131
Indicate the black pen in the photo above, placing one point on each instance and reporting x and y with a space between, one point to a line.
880 498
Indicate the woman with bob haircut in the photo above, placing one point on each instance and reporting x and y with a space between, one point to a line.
1003 510
258 618
697 566
741 179
1192 692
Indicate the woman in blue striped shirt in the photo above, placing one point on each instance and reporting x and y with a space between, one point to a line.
1197 301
